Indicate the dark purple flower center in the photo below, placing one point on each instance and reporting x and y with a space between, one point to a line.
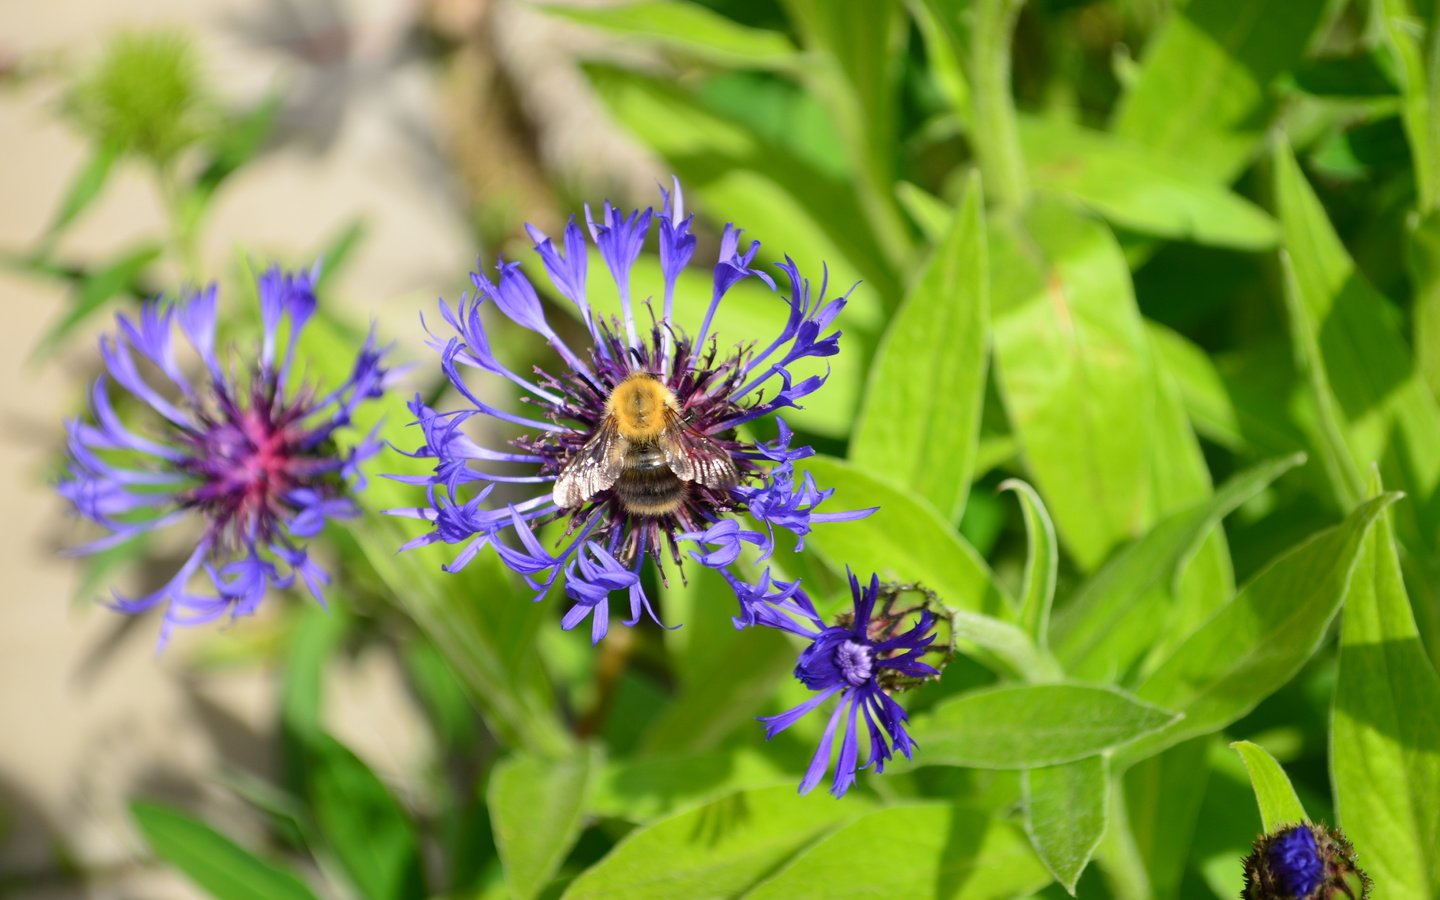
1295 860
248 459
856 662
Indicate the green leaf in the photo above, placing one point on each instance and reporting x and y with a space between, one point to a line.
904 541
95 289
237 144
1238 400
1385 729
1202 97
360 820
1424 266
1101 631
913 851
855 50
720 849
1386 414
312 643
724 676
644 788
1042 557
1080 385
1028 726
764 188
213 861
1135 188
1415 46
490 646
1163 796
1276 797
1261 639
687 28
84 189
920 437
1065 814
536 806
337 251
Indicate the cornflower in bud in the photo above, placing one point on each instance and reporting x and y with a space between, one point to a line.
1304 862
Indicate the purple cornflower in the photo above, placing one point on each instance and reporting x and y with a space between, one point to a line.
251 455
861 659
633 440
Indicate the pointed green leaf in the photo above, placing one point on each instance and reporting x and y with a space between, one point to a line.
214 862
360 820
84 189
688 28
1080 385
1027 726
1276 797
643 788
913 851
920 437
720 849
491 646
1202 95
1065 814
1385 729
1385 412
1102 630
904 541
1261 639
1135 188
536 808
1042 556
120 276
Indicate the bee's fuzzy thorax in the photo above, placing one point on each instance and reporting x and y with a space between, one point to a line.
638 404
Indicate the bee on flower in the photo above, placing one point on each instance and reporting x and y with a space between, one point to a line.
236 447
633 443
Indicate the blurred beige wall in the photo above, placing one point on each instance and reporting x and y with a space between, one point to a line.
88 714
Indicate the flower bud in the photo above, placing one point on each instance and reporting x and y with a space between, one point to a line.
1304 862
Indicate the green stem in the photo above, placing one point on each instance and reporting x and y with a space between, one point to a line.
1428 175
184 234
995 135
1118 854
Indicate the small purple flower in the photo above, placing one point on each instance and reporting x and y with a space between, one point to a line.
1304 862
668 486
252 458
860 660
1295 859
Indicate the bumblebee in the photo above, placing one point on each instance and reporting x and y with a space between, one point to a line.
644 453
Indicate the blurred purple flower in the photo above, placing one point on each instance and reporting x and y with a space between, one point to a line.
252 459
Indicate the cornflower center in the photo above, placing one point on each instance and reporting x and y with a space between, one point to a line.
248 459
856 662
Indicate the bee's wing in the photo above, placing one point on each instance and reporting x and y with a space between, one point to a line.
693 456
593 469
